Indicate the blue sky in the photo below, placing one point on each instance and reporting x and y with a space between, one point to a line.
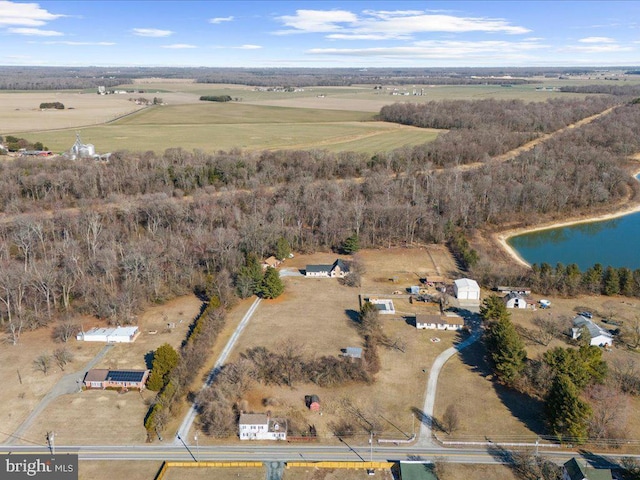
320 34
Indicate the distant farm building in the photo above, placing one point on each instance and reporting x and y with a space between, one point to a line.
337 270
515 300
121 379
81 150
439 322
466 289
597 336
260 426
519 290
312 402
110 335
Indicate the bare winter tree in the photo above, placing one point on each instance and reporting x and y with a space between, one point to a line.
450 419
62 356
42 363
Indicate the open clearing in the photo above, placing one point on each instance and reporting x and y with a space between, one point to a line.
90 407
367 137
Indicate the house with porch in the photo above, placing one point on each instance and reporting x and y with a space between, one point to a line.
261 426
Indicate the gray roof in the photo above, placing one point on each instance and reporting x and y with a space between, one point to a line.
580 472
355 352
340 263
319 268
512 295
594 330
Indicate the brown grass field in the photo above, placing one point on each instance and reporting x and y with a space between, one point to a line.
107 469
90 407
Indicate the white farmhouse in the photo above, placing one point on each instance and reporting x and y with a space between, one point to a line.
466 289
260 426
598 336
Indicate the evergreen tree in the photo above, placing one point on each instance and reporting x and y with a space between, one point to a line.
626 281
165 358
611 281
566 413
283 249
250 276
350 245
506 350
493 308
271 286
582 366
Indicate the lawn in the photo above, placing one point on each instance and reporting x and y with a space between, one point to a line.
318 316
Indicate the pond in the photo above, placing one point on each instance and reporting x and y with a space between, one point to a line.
613 242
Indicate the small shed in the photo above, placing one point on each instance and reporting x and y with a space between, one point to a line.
312 402
353 352
466 289
414 289
515 300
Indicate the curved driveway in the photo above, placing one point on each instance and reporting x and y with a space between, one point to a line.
426 425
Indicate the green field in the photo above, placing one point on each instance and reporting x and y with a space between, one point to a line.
223 126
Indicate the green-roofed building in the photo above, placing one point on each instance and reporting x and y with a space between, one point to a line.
417 471
574 471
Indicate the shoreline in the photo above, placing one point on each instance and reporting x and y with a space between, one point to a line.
503 237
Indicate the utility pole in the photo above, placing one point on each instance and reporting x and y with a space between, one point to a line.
195 437
51 442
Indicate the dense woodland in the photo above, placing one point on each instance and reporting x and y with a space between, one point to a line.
106 238
57 78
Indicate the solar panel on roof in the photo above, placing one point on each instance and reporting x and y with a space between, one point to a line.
122 376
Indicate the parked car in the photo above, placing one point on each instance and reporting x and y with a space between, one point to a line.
588 315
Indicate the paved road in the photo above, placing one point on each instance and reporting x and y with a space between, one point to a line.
285 452
426 424
68 384
182 435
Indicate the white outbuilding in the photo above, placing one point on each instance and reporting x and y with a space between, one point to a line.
110 335
466 289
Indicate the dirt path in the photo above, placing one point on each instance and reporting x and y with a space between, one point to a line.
70 383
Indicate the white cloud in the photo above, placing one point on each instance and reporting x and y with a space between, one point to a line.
36 32
151 32
602 48
72 43
218 20
179 46
307 21
597 40
439 49
249 47
382 24
26 14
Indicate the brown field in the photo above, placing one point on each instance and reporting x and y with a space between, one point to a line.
19 111
90 407
458 471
